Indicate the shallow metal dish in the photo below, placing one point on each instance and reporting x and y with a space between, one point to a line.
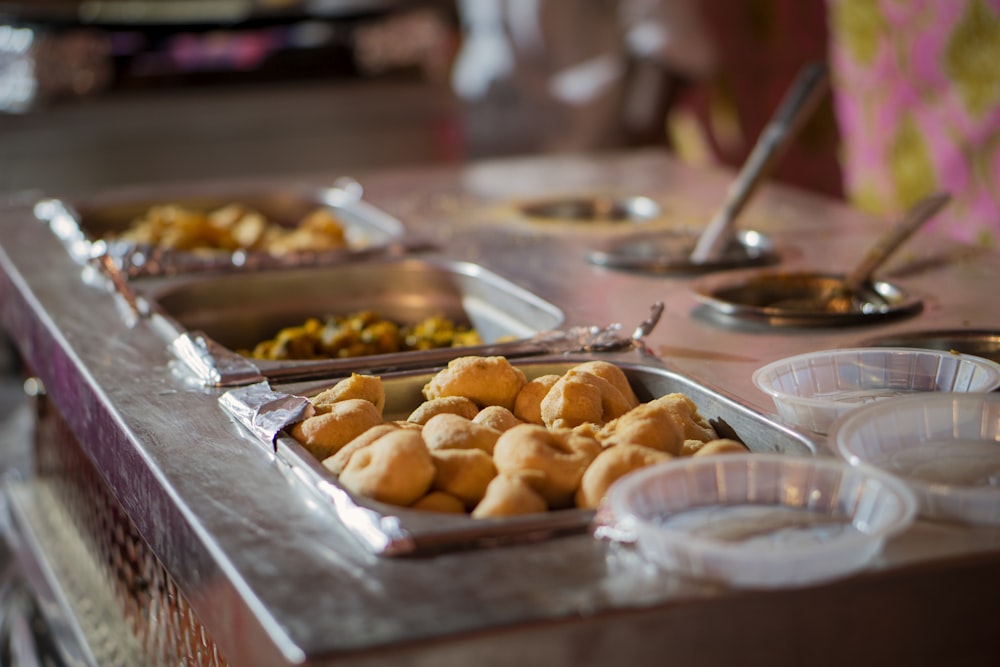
767 297
593 210
239 310
669 251
389 530
88 226
979 343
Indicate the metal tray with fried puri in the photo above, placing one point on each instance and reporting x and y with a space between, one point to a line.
389 530
91 228
236 311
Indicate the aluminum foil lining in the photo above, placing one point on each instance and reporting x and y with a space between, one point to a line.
211 363
265 412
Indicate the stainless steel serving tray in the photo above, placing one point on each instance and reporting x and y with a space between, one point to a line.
389 530
88 226
238 310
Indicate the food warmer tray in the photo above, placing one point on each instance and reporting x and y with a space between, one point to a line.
393 531
87 226
207 320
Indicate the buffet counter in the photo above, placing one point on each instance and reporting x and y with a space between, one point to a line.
160 532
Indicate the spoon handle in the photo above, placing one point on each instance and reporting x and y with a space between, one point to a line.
915 217
798 104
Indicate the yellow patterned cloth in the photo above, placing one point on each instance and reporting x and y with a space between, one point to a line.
917 98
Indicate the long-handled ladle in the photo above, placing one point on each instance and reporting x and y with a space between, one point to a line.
798 104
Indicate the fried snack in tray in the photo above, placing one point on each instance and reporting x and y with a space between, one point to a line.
234 227
443 405
324 434
361 334
496 417
665 423
396 468
450 431
485 380
469 447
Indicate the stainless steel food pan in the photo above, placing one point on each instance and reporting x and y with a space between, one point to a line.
390 530
239 310
88 226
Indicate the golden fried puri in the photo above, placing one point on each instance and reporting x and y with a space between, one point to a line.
456 405
721 446
397 468
367 387
496 416
613 374
558 456
484 380
439 501
336 462
448 431
611 464
326 433
528 404
464 473
509 495
664 423
579 397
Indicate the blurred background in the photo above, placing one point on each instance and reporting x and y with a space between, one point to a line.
96 94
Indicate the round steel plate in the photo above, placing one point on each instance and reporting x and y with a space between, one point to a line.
985 344
669 251
596 209
760 296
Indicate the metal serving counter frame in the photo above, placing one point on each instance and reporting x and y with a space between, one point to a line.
214 556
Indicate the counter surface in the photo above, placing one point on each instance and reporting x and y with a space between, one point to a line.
277 580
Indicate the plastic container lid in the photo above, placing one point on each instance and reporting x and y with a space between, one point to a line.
813 390
759 520
945 447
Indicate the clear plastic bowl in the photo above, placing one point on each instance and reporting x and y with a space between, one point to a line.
759 520
946 447
813 390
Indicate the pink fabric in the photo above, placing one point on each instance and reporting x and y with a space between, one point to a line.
917 98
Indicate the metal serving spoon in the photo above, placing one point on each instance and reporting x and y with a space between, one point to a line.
798 104
842 296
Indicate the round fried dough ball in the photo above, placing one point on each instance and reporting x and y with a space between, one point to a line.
580 397
611 464
528 404
439 501
613 374
464 473
496 416
448 431
456 405
367 387
721 446
336 462
509 495
397 468
664 423
402 423
324 434
560 456
484 380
